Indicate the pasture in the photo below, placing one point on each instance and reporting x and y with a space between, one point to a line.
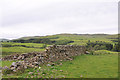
84 66
102 64
17 48
9 48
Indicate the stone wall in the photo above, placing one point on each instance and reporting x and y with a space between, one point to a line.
62 52
21 56
51 54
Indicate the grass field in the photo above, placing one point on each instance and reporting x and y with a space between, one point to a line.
6 63
14 50
86 66
85 38
103 64
31 47
36 47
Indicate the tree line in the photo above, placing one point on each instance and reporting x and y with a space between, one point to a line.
44 41
100 45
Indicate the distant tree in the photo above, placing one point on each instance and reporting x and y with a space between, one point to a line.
43 46
99 45
117 47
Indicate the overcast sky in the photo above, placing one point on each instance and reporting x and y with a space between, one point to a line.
20 18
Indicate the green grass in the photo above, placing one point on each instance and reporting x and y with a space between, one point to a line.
14 50
87 66
31 47
37 45
78 39
105 52
104 65
83 39
6 63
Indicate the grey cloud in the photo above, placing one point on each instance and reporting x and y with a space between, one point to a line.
57 10
58 17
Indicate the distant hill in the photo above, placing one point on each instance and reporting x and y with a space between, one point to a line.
65 34
4 40
67 38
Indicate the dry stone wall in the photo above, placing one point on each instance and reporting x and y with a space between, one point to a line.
62 52
51 54
21 56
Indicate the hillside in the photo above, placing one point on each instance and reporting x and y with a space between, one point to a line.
72 35
38 43
79 39
102 58
4 40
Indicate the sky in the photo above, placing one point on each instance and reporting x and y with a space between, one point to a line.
21 18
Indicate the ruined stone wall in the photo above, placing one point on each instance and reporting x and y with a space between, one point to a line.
50 55
21 56
61 52
55 52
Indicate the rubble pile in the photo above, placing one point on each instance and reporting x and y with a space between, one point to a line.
21 56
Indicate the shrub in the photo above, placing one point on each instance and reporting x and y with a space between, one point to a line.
99 45
117 47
